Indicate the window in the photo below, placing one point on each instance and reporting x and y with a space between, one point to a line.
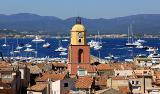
145 72
132 82
137 82
79 40
117 74
65 84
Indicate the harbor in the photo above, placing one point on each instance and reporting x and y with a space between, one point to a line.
109 46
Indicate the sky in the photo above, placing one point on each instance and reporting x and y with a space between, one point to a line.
85 8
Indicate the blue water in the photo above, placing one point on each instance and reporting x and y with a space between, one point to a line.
110 46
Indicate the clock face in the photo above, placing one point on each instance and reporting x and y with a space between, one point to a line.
80 35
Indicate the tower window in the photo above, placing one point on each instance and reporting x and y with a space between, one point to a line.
79 40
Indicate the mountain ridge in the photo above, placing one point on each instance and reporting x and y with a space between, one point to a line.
142 24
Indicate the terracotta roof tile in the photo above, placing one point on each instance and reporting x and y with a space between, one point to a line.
34 69
103 67
84 82
37 87
124 89
56 64
88 67
3 64
53 77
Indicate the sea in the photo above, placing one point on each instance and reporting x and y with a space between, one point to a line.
110 46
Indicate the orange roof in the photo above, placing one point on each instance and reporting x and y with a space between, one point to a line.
37 87
88 67
124 89
35 69
53 77
56 64
84 82
122 66
40 65
103 67
3 64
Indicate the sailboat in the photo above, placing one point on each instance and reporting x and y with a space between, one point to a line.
5 42
131 42
46 45
18 47
60 48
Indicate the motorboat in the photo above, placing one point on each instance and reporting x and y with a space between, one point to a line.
141 41
60 49
154 55
141 56
111 57
152 49
140 46
28 50
28 45
63 53
97 47
19 47
38 39
16 51
92 43
65 40
46 45
95 44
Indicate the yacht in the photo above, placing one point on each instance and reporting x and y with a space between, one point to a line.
92 43
16 51
60 49
141 41
141 56
154 55
140 46
28 45
65 40
95 44
46 45
111 57
152 49
28 50
38 39
19 47
63 53
97 47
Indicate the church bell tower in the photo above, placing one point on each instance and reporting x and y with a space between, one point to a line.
78 51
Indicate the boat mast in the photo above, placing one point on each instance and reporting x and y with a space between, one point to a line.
132 33
128 35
